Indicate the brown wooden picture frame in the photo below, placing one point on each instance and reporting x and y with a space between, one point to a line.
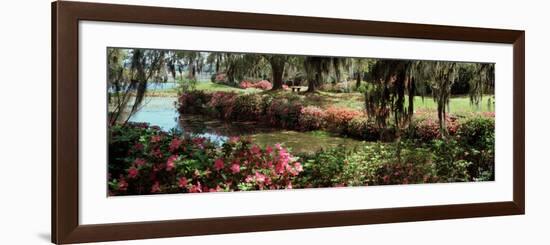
65 122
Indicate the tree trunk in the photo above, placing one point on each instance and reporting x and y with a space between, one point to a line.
312 84
358 83
277 69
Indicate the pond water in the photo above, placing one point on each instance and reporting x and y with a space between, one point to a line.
161 111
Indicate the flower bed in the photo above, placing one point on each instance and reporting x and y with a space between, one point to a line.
288 111
145 160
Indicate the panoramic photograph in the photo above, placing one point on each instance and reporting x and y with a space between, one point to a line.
183 121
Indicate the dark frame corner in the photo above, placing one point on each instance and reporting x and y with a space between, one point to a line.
65 223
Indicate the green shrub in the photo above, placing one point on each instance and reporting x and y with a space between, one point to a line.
323 169
247 107
380 164
477 136
449 161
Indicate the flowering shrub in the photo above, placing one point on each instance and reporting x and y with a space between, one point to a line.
193 101
145 160
362 128
312 118
263 84
284 112
248 107
246 84
219 78
426 129
221 104
337 118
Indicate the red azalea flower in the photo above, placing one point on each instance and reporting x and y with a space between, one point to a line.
199 141
255 149
132 173
122 185
156 153
218 164
155 188
170 164
138 147
182 182
139 162
174 144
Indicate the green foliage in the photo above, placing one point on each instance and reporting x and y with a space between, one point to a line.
187 84
247 107
323 168
477 135
450 164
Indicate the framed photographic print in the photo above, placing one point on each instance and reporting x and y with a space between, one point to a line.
174 122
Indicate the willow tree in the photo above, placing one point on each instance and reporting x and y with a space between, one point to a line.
396 82
359 67
390 95
317 68
129 72
482 80
440 75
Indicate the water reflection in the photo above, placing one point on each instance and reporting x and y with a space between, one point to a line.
160 111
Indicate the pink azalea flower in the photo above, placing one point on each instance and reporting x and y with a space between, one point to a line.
289 186
268 150
281 166
235 168
122 184
255 149
218 164
182 182
155 188
259 177
132 173
233 140
298 167
170 164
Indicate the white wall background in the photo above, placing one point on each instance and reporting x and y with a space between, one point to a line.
25 121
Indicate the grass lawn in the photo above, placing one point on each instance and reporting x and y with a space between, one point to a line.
210 86
202 85
458 104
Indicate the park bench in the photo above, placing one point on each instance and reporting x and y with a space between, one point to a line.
296 88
